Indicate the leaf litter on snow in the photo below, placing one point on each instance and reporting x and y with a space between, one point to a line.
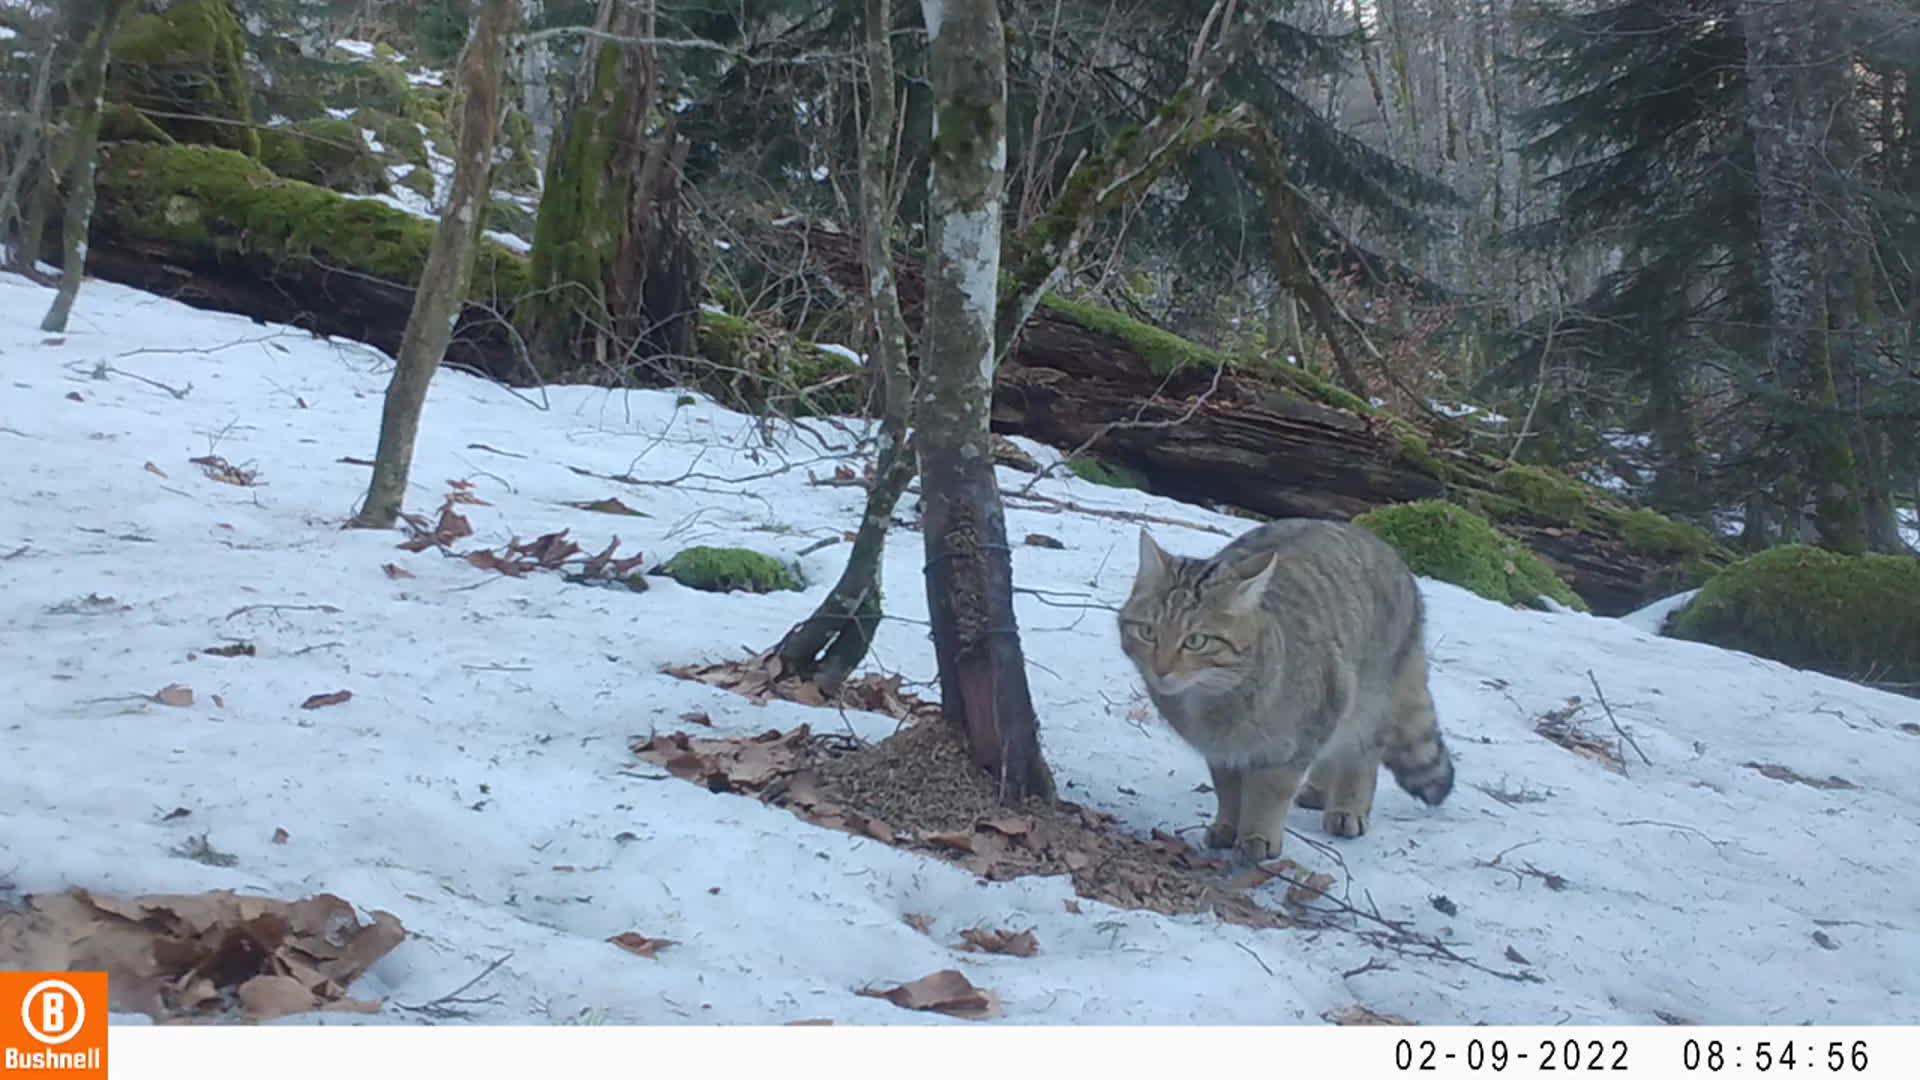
947 992
204 957
919 790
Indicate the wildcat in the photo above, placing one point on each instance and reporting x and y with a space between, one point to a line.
1293 654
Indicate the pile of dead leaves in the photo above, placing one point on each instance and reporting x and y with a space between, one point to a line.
765 677
919 790
552 551
206 957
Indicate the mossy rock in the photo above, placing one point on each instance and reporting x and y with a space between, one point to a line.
1453 544
765 369
419 181
1853 616
185 69
1536 494
221 204
508 217
327 152
401 140
1095 471
716 569
354 82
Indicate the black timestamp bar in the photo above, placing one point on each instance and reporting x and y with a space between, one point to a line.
1784 1055
1566 1054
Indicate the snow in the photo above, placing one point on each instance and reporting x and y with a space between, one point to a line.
1652 619
479 786
842 351
362 49
8 33
508 240
1909 526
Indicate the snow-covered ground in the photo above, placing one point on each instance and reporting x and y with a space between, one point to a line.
479 784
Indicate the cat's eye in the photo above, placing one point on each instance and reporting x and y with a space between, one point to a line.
1143 631
1196 642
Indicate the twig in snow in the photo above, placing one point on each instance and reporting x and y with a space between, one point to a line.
104 369
327 608
446 1006
1256 957
1373 964
16 552
1615 722
494 450
315 648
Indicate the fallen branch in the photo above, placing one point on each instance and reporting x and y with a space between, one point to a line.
445 1007
1614 721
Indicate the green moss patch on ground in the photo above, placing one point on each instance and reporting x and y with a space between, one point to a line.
1533 493
219 202
718 569
1450 543
1095 471
1853 616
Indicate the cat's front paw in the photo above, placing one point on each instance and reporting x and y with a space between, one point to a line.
1346 823
1221 834
1253 850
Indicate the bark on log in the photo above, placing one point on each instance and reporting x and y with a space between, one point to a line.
1251 444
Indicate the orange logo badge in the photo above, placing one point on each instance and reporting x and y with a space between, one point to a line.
53 1024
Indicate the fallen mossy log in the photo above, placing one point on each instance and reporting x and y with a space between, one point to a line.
214 229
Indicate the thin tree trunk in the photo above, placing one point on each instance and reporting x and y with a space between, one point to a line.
27 154
86 94
969 569
1789 94
449 269
836 637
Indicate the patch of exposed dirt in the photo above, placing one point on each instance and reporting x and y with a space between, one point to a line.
919 790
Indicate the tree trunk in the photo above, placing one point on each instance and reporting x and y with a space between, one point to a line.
536 87
1790 67
836 637
614 277
983 676
27 155
443 284
86 93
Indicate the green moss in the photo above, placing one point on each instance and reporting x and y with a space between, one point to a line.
1529 492
1095 471
185 67
218 203
1546 494
1415 452
327 152
1854 616
714 569
518 172
401 140
352 82
507 217
1652 533
124 123
827 383
1163 351
1453 544
420 182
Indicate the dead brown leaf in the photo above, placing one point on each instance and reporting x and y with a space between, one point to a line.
947 992
1786 775
218 701
321 701
281 836
641 945
238 648
1304 891
1560 727
175 695
394 571
487 560
155 470
1072 906
608 505
1002 942
919 921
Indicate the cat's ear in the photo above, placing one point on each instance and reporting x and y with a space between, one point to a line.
1249 583
1154 563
